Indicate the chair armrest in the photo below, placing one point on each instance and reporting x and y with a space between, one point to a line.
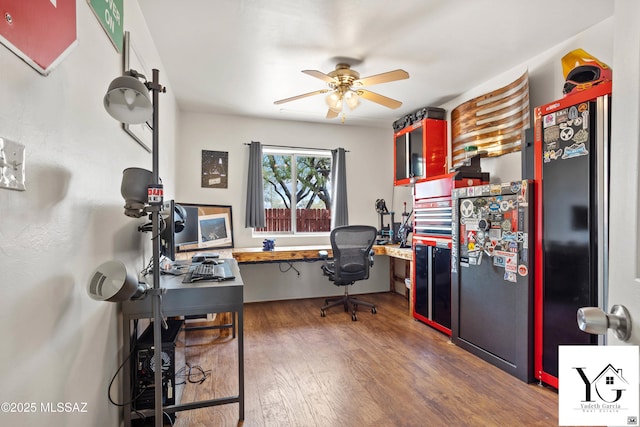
371 254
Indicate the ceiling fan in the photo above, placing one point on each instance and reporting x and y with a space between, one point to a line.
345 88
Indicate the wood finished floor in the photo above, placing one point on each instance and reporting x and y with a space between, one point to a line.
382 370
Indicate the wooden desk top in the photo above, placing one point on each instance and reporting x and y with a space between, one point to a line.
296 253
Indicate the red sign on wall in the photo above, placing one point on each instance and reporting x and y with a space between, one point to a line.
41 32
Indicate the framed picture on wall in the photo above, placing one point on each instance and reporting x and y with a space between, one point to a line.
215 167
141 133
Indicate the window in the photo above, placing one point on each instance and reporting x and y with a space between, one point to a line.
298 179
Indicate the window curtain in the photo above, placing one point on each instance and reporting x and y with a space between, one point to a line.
339 211
254 213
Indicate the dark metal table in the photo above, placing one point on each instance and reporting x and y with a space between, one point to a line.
185 299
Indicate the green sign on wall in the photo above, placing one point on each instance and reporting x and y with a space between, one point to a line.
110 13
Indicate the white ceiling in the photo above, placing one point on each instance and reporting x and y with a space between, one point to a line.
239 56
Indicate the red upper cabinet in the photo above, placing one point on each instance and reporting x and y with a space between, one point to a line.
420 151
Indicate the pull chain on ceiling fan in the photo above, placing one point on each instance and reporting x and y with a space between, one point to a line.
345 88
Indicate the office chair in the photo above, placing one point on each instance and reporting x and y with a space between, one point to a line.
352 258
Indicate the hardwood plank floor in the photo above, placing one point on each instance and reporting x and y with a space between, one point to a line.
383 370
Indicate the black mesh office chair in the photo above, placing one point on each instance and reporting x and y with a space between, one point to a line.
352 258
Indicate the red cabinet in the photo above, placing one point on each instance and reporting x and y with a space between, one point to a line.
420 151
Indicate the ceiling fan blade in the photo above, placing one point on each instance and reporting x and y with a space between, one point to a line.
390 76
379 99
304 95
320 75
332 114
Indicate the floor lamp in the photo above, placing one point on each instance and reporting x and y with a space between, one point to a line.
127 100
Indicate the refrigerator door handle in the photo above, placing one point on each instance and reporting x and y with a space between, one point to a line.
595 321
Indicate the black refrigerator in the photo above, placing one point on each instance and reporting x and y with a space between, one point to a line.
491 277
571 174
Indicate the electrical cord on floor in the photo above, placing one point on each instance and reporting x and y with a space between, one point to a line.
193 374
289 268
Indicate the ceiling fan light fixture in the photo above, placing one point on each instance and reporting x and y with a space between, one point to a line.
334 101
345 87
352 99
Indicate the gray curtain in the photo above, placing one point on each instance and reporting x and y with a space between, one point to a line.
339 211
254 213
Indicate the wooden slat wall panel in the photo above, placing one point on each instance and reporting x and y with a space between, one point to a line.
492 122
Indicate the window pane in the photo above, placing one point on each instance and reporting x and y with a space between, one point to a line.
310 196
276 171
313 194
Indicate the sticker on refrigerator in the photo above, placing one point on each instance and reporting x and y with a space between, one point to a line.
509 236
581 136
510 276
551 155
549 120
523 270
489 248
573 112
561 116
466 208
551 134
472 224
511 262
566 133
575 150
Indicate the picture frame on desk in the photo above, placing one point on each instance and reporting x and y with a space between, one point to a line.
215 230
141 133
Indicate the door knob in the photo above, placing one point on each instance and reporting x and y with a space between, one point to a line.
595 321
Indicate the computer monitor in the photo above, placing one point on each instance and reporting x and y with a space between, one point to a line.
205 227
189 235
172 225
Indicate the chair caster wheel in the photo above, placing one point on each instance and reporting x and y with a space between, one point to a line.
373 310
353 317
323 313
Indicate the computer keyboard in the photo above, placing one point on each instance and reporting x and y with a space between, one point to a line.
207 270
211 272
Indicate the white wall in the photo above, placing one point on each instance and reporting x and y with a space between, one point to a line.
545 85
369 177
58 344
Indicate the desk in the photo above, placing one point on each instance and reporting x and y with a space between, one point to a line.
184 299
301 253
